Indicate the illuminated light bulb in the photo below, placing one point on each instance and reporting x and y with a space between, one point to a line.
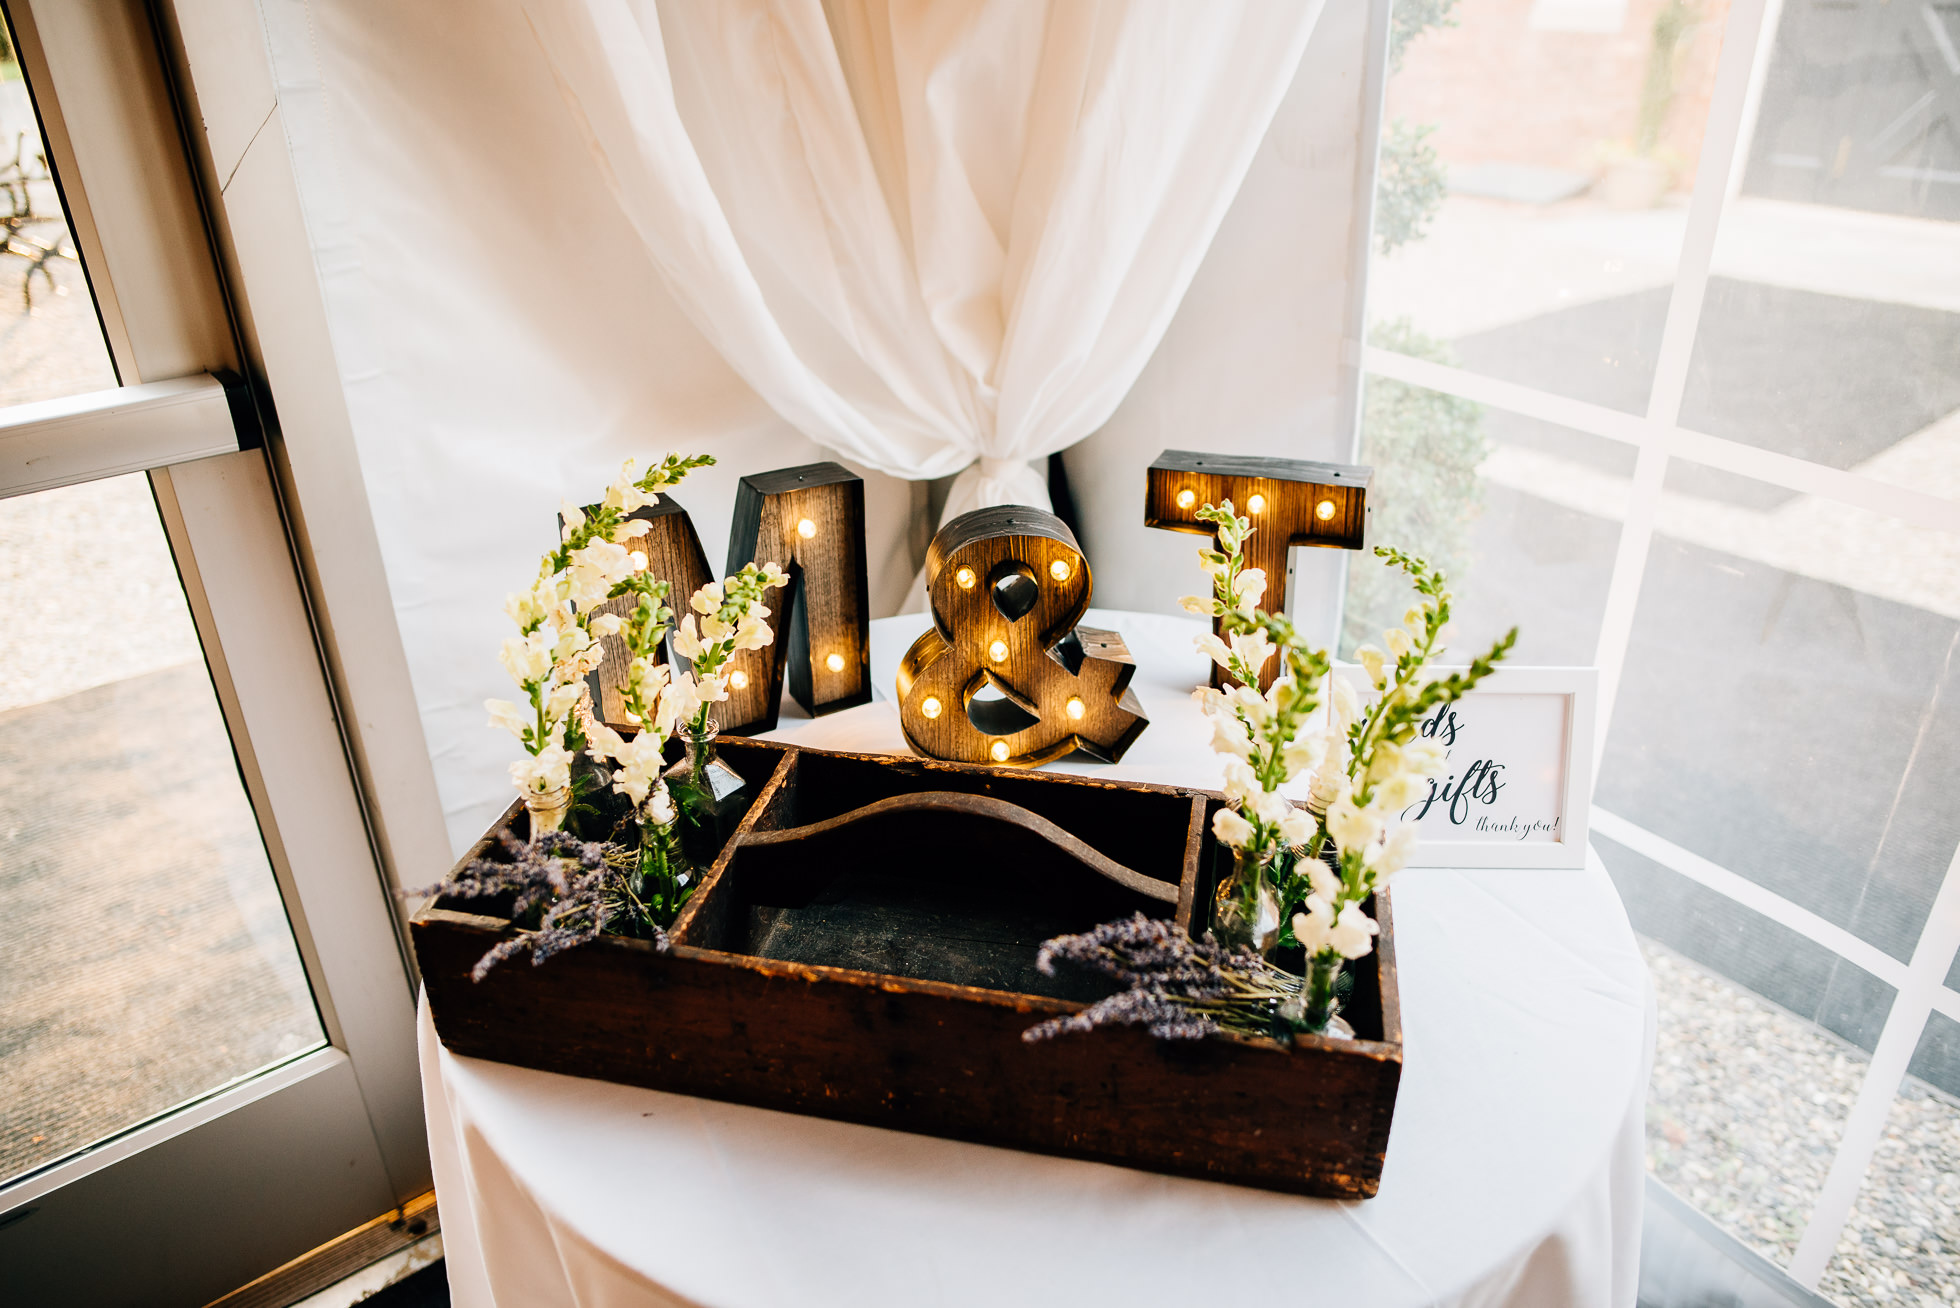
966 578
1076 708
1324 510
929 706
738 679
806 529
835 662
1059 569
997 651
1185 499
638 560
999 751
1255 504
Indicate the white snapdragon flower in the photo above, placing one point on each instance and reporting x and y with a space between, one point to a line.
1351 826
1353 932
1239 780
1393 854
711 690
714 630
1203 607
678 701
605 624
1228 736
1271 807
773 575
596 569
572 642
1297 828
1324 880
563 697
1312 927
661 810
1398 641
686 643
1254 647
602 742
752 633
1214 649
509 716
526 608
573 517
1373 662
1401 790
632 529
527 658
1303 756
1249 587
1212 567
707 599
1230 828
548 770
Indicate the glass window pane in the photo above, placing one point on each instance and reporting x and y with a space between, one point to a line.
148 955
50 339
1788 708
1746 1106
1831 329
1532 194
1523 515
1902 1242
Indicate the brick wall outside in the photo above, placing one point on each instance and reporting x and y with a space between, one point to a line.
1502 92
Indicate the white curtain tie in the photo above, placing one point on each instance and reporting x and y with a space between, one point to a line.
1001 470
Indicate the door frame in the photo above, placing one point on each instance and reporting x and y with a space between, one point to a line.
299 636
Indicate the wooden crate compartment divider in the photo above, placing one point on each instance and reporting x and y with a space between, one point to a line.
863 947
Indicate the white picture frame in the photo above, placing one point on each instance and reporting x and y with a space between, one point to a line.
1536 725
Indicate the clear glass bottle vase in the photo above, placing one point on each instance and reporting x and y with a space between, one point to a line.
547 809
712 795
1245 909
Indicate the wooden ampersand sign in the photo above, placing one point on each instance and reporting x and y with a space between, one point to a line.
1289 502
1005 675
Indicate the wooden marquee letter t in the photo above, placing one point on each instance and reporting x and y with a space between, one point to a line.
1289 501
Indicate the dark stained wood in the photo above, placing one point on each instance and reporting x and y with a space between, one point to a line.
873 1044
1293 491
1012 580
797 843
822 613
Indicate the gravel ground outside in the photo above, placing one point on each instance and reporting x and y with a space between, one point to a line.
1744 1113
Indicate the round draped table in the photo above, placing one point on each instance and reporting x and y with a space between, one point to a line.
1513 1176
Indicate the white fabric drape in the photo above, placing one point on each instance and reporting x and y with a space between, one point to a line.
934 236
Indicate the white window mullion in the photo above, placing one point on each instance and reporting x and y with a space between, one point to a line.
1720 154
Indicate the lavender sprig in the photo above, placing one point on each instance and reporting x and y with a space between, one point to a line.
579 884
1179 988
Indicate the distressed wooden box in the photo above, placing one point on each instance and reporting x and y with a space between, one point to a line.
863 949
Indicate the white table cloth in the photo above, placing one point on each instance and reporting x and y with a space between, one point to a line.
1513 1176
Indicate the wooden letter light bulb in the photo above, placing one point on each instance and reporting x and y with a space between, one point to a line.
1289 501
1005 676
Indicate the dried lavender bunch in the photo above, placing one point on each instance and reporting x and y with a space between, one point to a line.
1180 988
582 887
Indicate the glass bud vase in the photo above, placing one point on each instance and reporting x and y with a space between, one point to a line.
662 877
547 809
1245 911
713 795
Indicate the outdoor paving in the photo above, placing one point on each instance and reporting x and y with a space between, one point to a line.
1744 1112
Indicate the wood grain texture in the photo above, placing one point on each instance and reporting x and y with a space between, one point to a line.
931 1055
1005 667
822 615
1293 492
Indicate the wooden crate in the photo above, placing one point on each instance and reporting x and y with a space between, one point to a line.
900 977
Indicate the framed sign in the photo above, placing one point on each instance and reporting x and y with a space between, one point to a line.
1518 786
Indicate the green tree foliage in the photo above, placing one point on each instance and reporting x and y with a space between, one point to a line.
1410 19
1425 448
1410 185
